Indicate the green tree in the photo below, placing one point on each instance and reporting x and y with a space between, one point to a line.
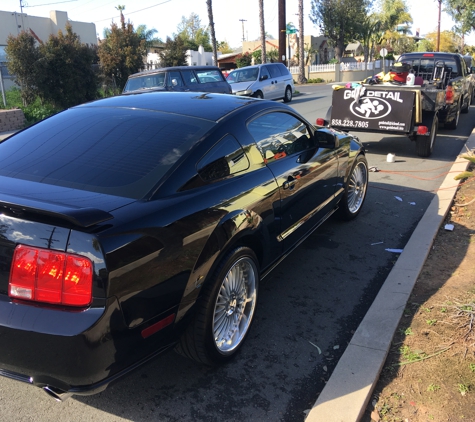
193 33
174 53
394 13
244 60
66 76
59 71
370 31
425 45
449 41
273 56
339 20
22 62
463 14
148 35
224 48
121 54
257 56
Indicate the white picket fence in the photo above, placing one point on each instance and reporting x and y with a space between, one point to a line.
343 67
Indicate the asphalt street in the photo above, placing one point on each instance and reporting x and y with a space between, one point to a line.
309 307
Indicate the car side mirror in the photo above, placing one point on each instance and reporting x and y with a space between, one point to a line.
263 78
327 139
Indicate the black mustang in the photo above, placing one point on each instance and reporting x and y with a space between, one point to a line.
140 222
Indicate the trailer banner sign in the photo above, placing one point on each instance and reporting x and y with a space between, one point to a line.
373 109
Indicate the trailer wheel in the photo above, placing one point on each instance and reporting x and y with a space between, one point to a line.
469 101
425 144
454 123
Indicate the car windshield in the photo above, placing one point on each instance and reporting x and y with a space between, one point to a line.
156 80
243 75
112 151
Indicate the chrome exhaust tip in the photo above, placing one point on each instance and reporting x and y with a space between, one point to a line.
56 393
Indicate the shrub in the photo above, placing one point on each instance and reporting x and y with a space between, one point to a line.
36 112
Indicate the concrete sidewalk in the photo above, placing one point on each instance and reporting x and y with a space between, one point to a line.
348 391
4 135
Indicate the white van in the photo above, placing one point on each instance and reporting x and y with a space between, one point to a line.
271 81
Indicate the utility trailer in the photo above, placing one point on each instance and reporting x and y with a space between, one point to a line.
393 109
442 90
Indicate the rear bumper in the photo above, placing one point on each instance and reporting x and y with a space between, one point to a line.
74 352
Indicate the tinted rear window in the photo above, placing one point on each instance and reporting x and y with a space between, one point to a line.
113 151
145 82
206 76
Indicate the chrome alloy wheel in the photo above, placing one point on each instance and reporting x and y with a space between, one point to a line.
235 305
357 187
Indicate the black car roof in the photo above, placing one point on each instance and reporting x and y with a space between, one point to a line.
194 104
431 54
166 69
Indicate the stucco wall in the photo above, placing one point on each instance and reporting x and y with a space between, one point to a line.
12 23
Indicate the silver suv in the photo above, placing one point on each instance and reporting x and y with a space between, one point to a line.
271 81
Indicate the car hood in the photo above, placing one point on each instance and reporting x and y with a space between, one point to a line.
240 86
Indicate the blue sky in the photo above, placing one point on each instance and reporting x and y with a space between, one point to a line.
165 15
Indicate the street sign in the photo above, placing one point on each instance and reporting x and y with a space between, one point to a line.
290 28
383 52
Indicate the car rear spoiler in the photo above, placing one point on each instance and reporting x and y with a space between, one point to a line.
82 217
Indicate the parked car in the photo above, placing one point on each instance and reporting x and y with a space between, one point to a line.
444 71
179 78
136 223
271 81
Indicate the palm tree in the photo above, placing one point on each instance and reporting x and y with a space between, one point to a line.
302 79
263 32
148 35
211 30
122 20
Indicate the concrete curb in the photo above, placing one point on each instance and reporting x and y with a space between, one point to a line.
347 392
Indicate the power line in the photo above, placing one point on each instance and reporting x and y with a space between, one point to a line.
47 4
136 11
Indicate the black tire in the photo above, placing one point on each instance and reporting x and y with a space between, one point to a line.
288 95
224 311
355 190
454 123
467 108
258 94
425 144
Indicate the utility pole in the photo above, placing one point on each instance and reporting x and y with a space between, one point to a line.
21 12
243 20
438 26
282 32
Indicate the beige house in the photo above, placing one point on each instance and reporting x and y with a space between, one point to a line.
320 50
12 23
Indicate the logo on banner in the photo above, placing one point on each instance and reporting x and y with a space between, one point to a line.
370 108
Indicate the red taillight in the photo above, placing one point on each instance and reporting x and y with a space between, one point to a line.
428 55
449 95
422 130
321 122
42 275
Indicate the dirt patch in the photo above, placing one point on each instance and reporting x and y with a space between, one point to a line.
429 374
